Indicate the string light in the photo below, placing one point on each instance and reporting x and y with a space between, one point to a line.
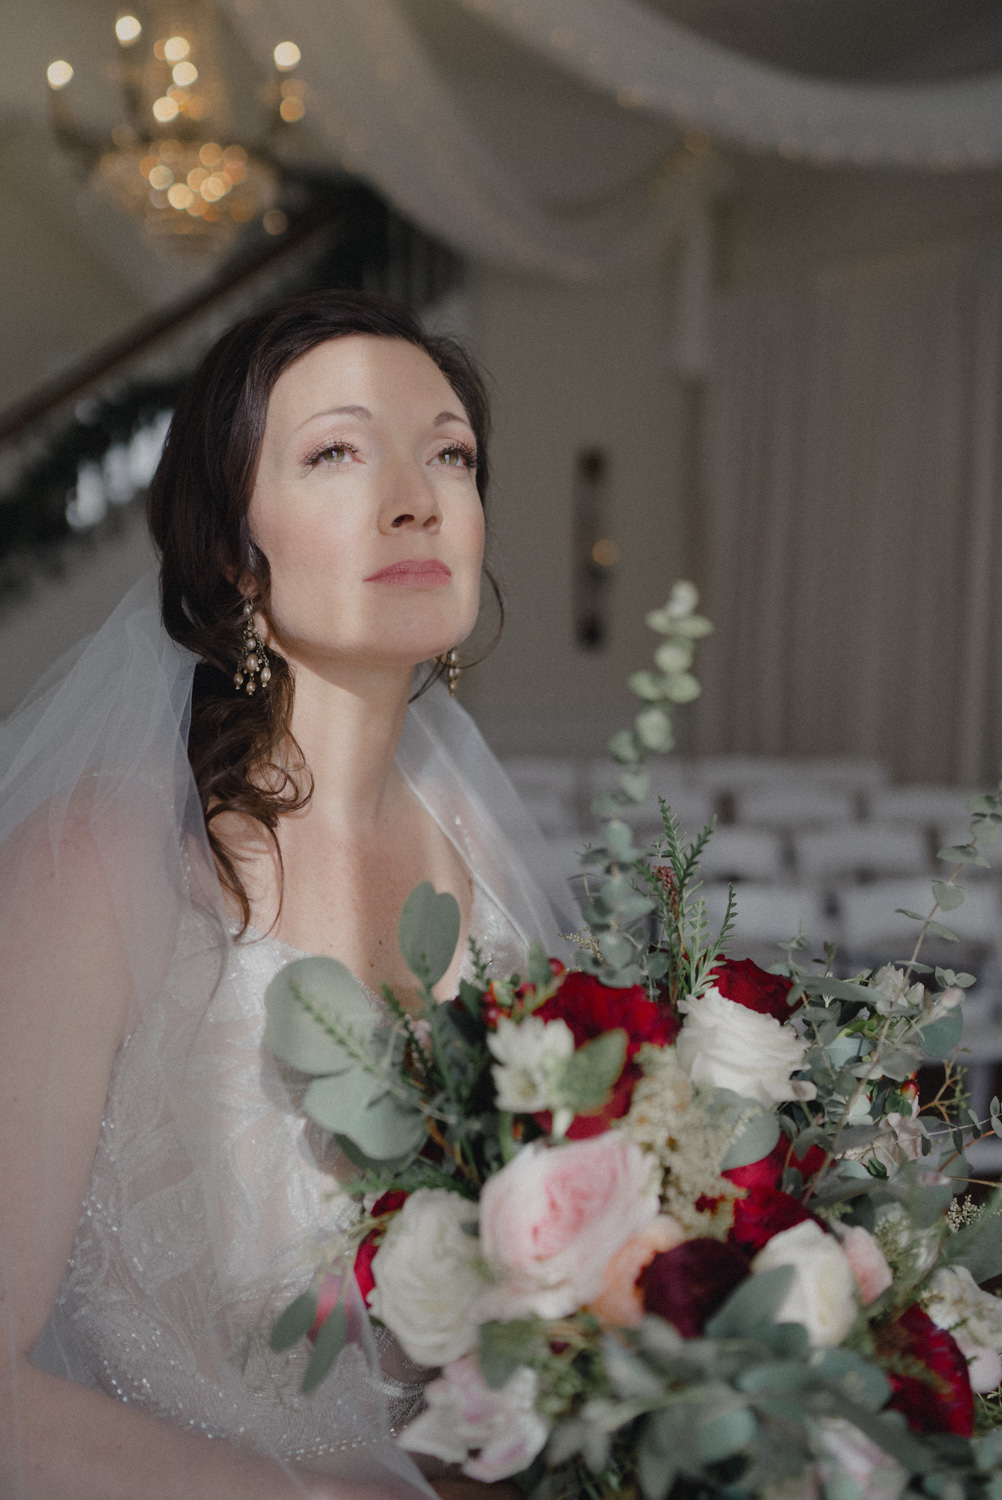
128 29
59 74
287 55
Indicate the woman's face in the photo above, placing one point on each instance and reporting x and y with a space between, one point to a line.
365 504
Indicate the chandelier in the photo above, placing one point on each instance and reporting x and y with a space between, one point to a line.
172 160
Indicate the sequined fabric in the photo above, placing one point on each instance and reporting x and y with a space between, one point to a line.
179 1268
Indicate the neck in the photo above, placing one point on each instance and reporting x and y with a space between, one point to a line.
348 726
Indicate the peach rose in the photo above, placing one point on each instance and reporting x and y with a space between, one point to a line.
553 1218
620 1303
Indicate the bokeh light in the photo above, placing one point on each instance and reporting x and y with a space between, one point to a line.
128 30
286 55
59 74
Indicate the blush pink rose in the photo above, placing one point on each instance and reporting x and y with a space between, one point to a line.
866 1262
553 1218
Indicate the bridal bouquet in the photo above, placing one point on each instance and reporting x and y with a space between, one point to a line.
665 1222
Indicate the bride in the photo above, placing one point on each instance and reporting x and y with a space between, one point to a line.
209 789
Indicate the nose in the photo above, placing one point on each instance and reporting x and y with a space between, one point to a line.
410 503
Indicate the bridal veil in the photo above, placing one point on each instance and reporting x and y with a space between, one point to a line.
96 792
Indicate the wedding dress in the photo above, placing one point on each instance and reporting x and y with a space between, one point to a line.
212 1199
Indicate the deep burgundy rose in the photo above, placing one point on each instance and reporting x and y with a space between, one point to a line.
939 1400
687 1285
364 1256
763 1212
746 984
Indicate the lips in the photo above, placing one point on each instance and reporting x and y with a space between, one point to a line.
413 571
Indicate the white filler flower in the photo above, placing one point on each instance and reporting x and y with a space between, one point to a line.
531 1058
723 1045
428 1277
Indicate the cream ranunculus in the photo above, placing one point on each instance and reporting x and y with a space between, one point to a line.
822 1295
723 1045
428 1277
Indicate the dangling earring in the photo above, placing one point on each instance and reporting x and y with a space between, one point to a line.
450 661
254 665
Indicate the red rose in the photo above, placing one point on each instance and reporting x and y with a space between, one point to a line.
590 1008
687 1285
765 1211
364 1255
746 984
768 1171
940 1399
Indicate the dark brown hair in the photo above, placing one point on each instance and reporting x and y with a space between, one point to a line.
242 752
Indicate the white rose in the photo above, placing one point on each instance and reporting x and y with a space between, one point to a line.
823 1293
974 1317
531 1058
723 1045
428 1277
463 1413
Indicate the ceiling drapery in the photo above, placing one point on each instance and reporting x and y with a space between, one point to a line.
389 115
649 62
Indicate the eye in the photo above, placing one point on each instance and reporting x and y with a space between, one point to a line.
457 456
333 456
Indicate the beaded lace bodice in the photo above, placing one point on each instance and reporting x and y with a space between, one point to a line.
174 1279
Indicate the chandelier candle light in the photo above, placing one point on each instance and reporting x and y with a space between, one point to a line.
172 161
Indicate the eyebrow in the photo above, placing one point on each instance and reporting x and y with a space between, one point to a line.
364 412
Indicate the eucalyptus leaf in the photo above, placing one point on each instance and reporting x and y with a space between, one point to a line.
295 1322
978 1246
297 996
616 950
756 1140
693 628
591 1071
941 1037
724 1433
329 1343
646 685
654 730
619 842
540 973
623 747
504 1347
755 1301
428 932
948 895
681 687
358 1107
986 831
674 656
635 784
963 854
655 1471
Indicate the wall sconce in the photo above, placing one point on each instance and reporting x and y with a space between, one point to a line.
595 554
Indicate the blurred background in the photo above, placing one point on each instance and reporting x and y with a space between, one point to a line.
734 268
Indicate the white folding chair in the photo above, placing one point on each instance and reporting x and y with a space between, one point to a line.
928 805
736 853
859 849
735 773
794 804
548 785
770 914
871 923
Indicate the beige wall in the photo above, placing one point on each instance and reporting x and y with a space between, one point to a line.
572 369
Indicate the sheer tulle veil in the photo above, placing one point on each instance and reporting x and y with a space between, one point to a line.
97 793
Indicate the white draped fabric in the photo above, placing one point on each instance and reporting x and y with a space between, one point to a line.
854 452
389 116
650 62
